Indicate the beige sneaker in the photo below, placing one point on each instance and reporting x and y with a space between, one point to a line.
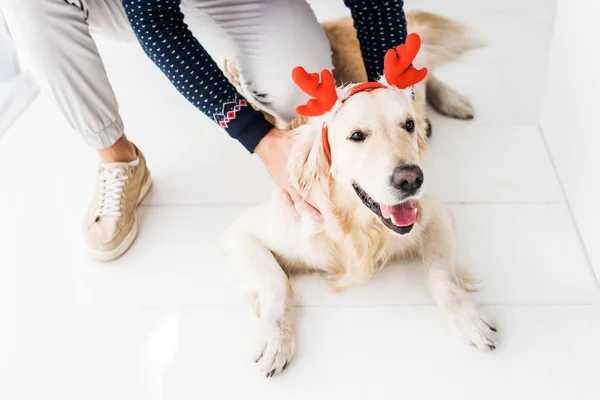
111 223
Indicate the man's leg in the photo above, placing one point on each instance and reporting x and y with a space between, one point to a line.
380 26
54 40
269 38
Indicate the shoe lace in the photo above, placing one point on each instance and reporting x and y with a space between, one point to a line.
111 189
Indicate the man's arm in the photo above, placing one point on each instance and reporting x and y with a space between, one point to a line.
380 25
169 43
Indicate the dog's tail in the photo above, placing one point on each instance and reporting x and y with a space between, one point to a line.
443 39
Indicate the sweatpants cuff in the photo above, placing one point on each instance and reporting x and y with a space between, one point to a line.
106 136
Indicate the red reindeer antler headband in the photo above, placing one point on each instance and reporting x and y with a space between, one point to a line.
398 72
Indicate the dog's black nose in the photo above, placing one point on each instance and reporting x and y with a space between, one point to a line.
407 178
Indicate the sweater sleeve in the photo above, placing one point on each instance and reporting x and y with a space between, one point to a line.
380 25
169 43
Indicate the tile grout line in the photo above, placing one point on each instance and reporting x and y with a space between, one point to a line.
241 307
532 305
571 213
450 203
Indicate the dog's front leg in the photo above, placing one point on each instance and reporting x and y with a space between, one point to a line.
445 285
261 276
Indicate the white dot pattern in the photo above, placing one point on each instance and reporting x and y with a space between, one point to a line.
380 26
166 39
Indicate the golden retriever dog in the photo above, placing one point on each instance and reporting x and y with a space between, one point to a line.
370 193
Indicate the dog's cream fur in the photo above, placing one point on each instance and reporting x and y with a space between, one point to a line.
266 244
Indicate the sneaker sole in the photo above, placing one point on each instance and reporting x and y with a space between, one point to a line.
129 239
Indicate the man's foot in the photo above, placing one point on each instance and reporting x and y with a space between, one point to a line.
111 222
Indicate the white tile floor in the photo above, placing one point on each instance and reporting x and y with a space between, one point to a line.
163 322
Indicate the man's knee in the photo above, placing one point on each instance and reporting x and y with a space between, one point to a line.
272 84
277 98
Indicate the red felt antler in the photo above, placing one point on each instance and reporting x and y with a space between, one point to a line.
324 93
397 66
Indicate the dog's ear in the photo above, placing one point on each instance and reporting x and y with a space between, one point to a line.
308 163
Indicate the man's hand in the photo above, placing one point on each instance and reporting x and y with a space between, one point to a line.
273 150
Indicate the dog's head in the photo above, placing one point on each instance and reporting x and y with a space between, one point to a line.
375 140
368 143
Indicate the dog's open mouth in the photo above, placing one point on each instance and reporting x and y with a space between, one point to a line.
400 217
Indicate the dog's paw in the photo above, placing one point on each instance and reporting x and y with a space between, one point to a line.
428 128
455 105
276 348
459 107
448 101
478 329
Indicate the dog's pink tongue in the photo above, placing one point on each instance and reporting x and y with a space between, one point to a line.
401 214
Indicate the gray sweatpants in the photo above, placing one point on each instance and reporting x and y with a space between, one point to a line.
54 38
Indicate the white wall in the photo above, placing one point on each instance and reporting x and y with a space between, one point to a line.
570 118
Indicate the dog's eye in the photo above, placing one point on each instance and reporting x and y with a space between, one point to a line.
357 136
409 126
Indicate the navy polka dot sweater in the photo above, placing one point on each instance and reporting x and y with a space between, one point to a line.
380 26
166 39
169 43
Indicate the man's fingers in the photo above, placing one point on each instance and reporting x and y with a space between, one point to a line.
289 202
295 197
316 214
304 205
